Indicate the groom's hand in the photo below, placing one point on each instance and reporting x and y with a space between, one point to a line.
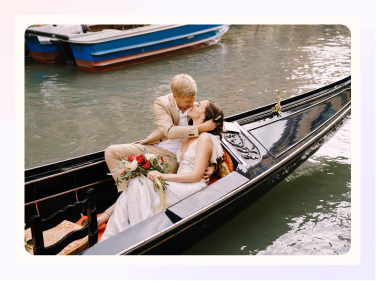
208 173
207 126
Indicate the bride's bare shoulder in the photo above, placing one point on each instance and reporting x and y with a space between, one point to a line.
204 140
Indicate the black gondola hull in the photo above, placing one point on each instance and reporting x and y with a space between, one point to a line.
185 234
206 223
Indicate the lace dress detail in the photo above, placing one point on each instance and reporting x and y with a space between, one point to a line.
139 201
186 165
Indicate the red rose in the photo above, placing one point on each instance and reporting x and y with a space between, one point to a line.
161 159
140 159
132 157
122 173
146 165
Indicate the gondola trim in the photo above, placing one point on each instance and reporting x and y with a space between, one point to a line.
65 172
68 191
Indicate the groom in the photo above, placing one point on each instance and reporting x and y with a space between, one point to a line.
170 113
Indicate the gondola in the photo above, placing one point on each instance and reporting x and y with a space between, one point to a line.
265 147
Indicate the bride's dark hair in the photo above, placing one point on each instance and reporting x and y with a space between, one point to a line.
214 112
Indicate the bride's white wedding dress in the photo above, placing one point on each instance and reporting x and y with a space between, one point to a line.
139 201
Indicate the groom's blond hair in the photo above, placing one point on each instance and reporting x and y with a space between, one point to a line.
183 85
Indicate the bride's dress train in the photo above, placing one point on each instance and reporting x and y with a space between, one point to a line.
139 201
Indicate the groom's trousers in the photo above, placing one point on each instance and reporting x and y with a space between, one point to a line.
115 153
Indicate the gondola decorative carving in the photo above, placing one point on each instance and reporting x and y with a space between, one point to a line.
277 107
238 142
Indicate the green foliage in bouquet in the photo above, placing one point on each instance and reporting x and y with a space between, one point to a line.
140 165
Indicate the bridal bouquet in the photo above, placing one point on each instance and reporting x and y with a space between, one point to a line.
139 166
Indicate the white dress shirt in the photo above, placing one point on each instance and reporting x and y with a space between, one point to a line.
173 145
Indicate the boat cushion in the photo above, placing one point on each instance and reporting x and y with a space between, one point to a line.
101 229
225 167
213 179
53 235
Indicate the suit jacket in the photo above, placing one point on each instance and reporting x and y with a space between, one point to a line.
167 117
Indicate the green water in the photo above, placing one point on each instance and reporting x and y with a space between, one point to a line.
71 112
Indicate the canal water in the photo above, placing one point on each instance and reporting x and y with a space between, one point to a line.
71 112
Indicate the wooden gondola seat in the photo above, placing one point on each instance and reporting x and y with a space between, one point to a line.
101 229
55 235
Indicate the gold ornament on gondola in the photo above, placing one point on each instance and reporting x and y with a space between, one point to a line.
277 107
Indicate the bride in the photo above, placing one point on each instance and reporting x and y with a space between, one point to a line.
139 201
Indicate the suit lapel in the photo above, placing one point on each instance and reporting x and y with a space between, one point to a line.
174 111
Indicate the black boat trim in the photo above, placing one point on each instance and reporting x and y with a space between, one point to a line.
287 106
316 96
289 102
312 132
65 192
172 216
335 119
68 170
245 132
298 111
99 161
65 160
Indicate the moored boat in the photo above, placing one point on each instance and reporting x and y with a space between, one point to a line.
110 49
39 43
48 49
265 147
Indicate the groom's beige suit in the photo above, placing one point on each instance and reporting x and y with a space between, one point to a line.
167 118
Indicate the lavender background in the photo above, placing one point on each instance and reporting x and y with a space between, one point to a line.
10 270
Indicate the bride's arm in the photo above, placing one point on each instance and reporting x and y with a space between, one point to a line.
204 149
